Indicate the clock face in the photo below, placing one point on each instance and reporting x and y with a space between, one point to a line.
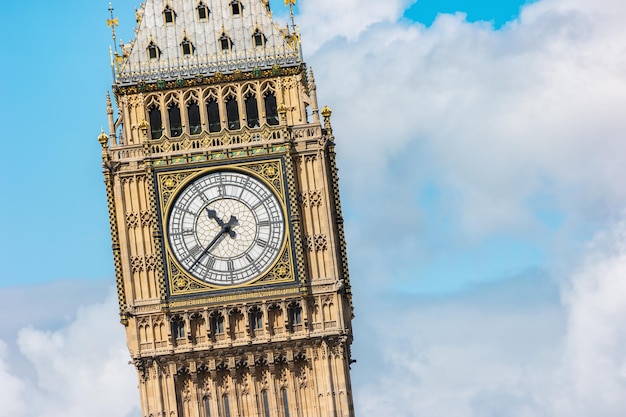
226 228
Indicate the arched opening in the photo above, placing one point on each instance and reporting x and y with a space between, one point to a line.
217 324
156 122
213 115
295 314
207 406
283 393
266 404
252 111
193 113
153 51
232 113
236 7
225 43
176 124
226 406
271 109
168 15
259 38
256 319
187 47
203 11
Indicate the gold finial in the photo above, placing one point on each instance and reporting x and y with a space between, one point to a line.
144 126
112 23
326 113
282 111
103 139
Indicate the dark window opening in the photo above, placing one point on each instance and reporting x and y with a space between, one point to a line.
187 47
252 111
178 328
169 15
266 404
256 320
207 407
176 124
271 109
225 42
236 7
213 112
285 401
203 11
226 406
217 325
232 114
295 315
156 123
153 51
195 125
259 38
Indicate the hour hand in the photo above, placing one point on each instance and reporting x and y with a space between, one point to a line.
213 215
228 226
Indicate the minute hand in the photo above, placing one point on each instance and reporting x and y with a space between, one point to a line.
226 228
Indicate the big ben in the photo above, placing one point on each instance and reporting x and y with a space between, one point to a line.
226 224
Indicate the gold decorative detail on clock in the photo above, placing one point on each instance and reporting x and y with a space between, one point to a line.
225 226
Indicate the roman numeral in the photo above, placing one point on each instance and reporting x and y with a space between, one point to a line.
268 223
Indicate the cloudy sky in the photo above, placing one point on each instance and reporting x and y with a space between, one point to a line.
481 149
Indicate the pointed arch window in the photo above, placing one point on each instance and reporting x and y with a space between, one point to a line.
156 122
295 314
207 407
252 111
203 11
193 114
236 7
153 51
256 319
225 42
259 39
232 113
178 328
266 404
271 109
187 47
226 406
283 393
217 324
176 125
213 113
169 15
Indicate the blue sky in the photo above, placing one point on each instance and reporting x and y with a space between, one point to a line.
481 170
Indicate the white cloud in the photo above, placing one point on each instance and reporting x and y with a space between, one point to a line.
325 20
80 369
500 122
596 340
12 397
497 119
506 349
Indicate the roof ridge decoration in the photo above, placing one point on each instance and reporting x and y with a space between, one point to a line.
210 55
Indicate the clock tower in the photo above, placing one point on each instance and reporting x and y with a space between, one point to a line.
226 224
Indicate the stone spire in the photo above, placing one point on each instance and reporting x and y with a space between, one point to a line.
181 39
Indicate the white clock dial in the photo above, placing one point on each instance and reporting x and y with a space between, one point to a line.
226 228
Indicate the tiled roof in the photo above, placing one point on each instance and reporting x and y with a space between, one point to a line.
207 54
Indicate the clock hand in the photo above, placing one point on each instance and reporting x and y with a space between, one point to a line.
213 215
232 222
226 228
